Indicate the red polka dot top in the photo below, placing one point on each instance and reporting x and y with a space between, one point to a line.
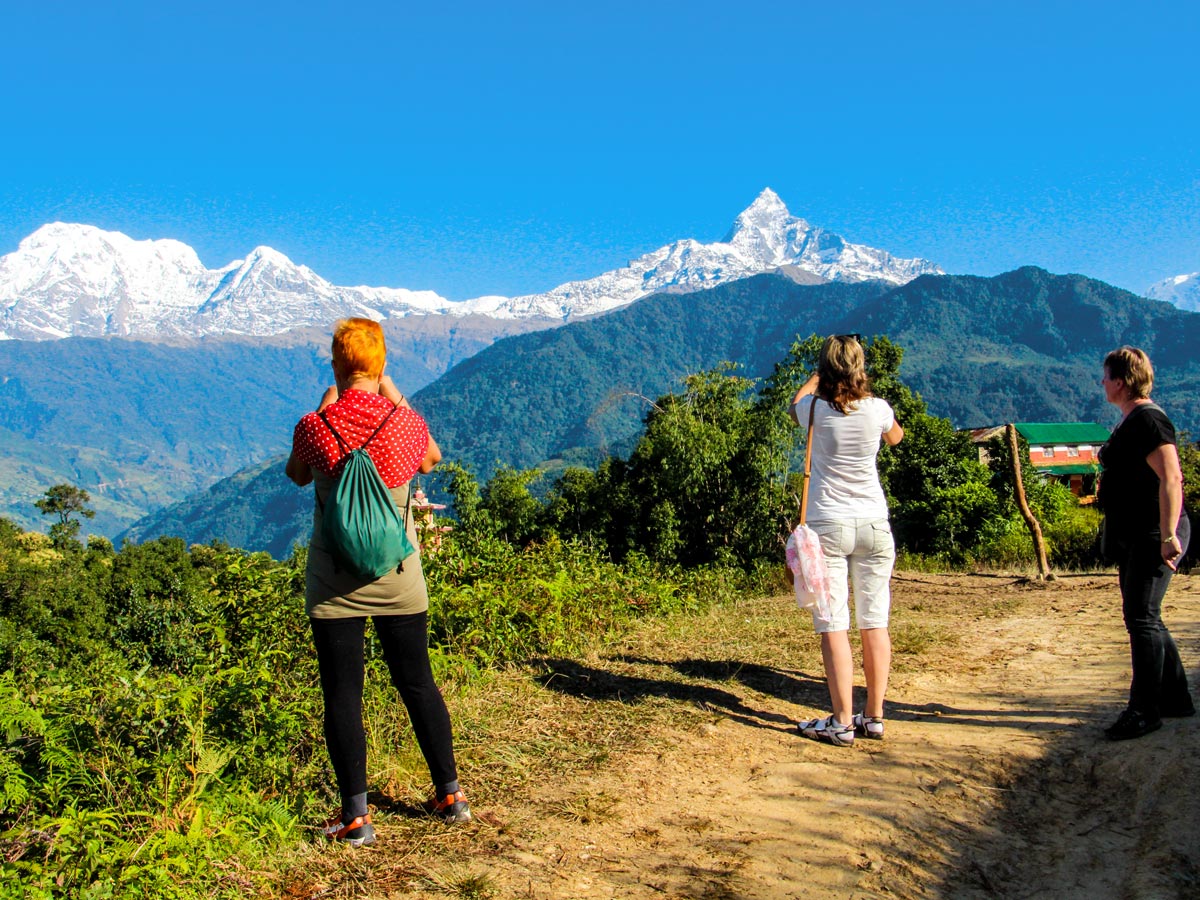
397 450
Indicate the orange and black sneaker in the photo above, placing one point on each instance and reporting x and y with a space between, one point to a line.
450 808
358 832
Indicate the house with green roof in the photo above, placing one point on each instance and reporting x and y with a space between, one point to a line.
1064 451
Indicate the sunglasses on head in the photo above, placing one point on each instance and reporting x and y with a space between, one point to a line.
850 337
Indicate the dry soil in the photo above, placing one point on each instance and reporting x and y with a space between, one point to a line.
994 779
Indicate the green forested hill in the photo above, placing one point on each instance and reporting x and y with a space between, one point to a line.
257 508
573 391
1028 345
1023 346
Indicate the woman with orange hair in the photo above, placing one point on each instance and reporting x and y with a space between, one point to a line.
364 408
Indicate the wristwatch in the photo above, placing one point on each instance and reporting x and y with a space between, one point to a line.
1170 540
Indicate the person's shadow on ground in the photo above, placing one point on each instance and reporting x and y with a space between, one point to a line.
790 685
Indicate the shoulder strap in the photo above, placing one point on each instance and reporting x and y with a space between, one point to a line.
812 410
346 450
342 444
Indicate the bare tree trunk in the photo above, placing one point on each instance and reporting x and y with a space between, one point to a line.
1035 529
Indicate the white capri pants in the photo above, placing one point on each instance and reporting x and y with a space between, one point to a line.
860 551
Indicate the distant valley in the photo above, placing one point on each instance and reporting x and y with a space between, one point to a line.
141 425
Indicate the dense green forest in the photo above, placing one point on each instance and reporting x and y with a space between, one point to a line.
1025 346
262 510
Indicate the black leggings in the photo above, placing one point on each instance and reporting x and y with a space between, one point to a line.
1159 684
340 656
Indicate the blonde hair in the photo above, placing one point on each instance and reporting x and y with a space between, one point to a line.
842 372
359 350
1132 366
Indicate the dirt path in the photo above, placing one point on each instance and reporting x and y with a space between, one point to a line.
994 779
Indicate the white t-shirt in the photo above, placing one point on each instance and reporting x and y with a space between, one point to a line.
845 482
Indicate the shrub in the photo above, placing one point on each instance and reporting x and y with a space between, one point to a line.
1072 539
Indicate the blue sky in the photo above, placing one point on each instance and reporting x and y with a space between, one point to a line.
506 148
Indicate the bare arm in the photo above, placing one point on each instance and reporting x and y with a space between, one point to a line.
300 472
433 456
809 387
1164 460
328 398
433 453
894 435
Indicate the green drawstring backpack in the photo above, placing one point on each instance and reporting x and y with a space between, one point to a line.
365 533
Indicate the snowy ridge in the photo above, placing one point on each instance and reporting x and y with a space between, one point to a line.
764 237
1182 290
66 280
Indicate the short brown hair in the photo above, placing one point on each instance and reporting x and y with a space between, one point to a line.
359 350
842 372
1131 366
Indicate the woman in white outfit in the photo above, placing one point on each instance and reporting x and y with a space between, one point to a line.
848 511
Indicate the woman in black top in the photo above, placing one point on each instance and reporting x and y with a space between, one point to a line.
1141 493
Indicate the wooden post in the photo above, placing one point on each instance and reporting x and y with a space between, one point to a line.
1035 529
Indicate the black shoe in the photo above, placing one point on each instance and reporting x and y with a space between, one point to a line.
1131 724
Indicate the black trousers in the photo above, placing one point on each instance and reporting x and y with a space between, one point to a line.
1159 682
340 657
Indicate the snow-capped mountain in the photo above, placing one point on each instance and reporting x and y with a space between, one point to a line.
68 280
1182 290
764 237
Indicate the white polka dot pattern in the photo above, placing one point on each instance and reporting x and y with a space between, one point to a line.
397 450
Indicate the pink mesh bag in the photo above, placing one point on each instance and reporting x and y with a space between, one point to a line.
807 562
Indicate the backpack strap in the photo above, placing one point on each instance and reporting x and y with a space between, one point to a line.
404 520
342 443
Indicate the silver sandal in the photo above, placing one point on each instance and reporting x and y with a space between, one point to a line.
828 731
868 726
